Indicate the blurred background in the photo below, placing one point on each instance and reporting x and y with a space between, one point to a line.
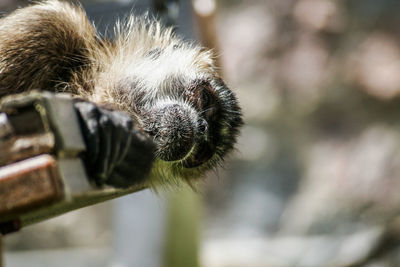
315 178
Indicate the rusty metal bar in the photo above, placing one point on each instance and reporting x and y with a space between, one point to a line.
29 183
41 172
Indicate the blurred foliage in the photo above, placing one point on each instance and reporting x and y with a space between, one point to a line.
319 82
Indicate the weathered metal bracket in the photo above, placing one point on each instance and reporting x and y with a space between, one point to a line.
41 173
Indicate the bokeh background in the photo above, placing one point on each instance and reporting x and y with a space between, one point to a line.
315 179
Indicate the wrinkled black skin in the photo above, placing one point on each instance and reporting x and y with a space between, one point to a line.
117 153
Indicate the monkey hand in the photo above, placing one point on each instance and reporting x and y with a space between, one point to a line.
117 153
